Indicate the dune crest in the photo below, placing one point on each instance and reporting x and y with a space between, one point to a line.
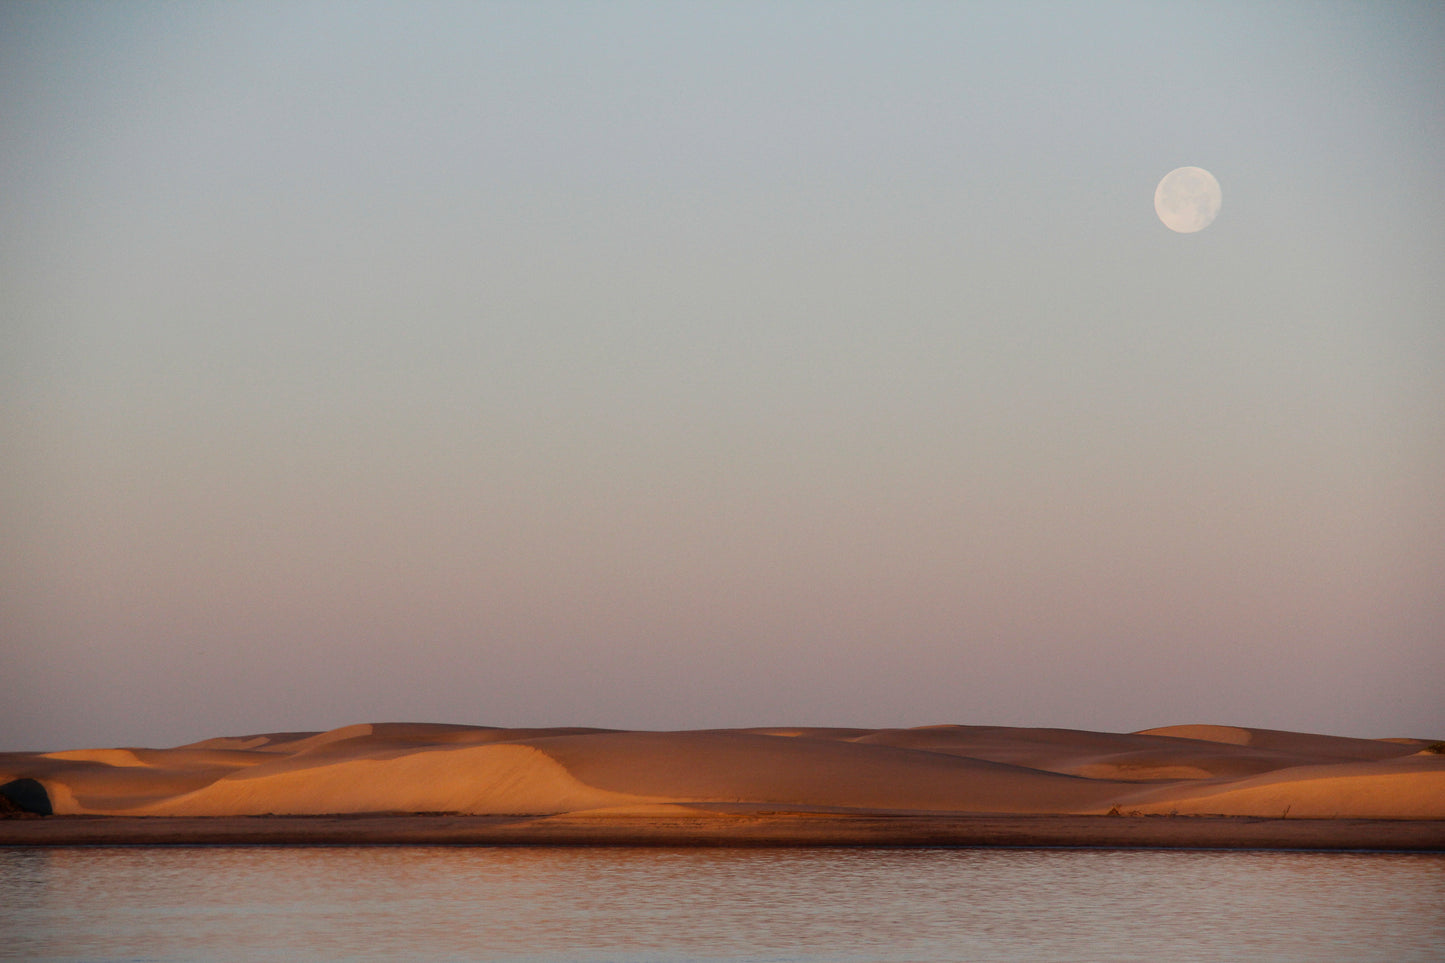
107 757
1229 735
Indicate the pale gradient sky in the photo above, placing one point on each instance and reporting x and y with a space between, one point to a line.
665 365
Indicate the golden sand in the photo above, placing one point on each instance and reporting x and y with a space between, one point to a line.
772 780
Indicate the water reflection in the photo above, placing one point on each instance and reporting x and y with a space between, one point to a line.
519 904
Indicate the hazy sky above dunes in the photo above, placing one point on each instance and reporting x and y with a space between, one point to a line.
666 365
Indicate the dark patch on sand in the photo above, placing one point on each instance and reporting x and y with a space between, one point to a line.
26 796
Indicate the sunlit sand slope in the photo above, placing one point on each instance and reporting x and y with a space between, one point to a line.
475 779
415 767
1411 788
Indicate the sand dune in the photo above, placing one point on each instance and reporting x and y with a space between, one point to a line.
1409 788
1295 743
417 767
500 779
801 770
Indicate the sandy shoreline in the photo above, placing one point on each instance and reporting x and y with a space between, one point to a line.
752 830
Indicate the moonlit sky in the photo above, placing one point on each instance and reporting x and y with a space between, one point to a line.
680 365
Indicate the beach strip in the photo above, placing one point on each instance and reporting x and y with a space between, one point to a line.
758 829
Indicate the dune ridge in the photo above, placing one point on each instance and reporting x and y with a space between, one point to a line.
952 769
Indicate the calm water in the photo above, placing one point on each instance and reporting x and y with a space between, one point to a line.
883 906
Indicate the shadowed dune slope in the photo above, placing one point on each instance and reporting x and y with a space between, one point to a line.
423 767
1303 744
1128 757
733 766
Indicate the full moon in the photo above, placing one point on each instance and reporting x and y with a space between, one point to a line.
1188 199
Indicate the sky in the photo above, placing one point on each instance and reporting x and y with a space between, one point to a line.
689 365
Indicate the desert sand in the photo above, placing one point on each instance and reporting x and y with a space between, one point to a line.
787 786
